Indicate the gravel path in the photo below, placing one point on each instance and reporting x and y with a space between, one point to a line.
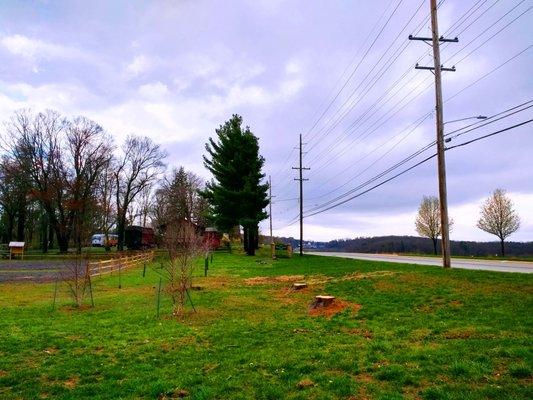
31 271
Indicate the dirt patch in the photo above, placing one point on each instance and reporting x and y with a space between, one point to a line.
51 350
73 308
358 275
364 378
336 306
72 382
177 394
460 333
269 280
3 373
456 304
305 383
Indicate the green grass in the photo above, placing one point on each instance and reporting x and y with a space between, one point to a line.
408 332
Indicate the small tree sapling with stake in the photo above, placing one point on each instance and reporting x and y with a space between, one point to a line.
184 246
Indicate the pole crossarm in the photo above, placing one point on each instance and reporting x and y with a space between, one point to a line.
442 68
429 40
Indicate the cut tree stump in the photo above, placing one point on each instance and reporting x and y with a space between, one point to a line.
322 301
299 285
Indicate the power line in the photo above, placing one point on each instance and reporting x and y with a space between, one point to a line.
491 134
492 119
416 165
358 65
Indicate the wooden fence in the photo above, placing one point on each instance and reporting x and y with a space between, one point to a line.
97 268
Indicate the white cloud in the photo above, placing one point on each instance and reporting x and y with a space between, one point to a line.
33 50
139 65
155 90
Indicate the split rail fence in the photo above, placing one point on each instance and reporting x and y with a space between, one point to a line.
97 268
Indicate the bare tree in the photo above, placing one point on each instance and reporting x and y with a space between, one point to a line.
138 167
77 277
427 221
498 217
184 245
13 199
106 210
89 153
62 159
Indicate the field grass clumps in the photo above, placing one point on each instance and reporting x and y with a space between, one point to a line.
403 331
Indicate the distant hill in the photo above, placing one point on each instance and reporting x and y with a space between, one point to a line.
414 244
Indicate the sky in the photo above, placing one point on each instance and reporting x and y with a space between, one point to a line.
340 73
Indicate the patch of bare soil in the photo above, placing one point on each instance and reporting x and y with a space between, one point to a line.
358 275
72 382
3 373
460 333
305 383
269 280
364 377
51 350
335 307
177 394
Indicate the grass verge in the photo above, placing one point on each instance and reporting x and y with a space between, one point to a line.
398 331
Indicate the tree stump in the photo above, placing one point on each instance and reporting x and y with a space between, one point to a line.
299 285
322 301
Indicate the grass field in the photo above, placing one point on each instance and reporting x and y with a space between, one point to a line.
396 331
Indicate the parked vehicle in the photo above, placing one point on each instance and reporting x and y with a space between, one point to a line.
139 237
98 240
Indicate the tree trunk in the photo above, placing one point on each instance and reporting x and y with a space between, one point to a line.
9 228
50 235
503 247
250 241
256 237
21 221
434 245
62 242
245 233
121 226
44 232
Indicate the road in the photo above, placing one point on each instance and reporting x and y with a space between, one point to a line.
487 265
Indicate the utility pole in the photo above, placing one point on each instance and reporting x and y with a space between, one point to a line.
441 162
300 168
270 205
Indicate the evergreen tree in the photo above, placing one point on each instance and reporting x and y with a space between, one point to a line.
236 193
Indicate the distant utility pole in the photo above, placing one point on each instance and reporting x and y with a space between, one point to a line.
270 205
441 163
301 179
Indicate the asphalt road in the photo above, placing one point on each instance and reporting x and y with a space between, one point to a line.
487 265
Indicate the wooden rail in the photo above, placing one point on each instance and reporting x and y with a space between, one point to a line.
97 268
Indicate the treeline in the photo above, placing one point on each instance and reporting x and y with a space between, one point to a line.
62 179
413 244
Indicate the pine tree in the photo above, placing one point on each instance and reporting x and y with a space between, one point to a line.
236 194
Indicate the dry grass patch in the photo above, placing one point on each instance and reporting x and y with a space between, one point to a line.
336 307
72 382
269 280
460 333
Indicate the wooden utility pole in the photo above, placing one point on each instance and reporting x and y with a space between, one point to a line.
441 162
270 206
300 169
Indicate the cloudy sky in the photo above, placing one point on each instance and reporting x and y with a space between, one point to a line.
341 73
